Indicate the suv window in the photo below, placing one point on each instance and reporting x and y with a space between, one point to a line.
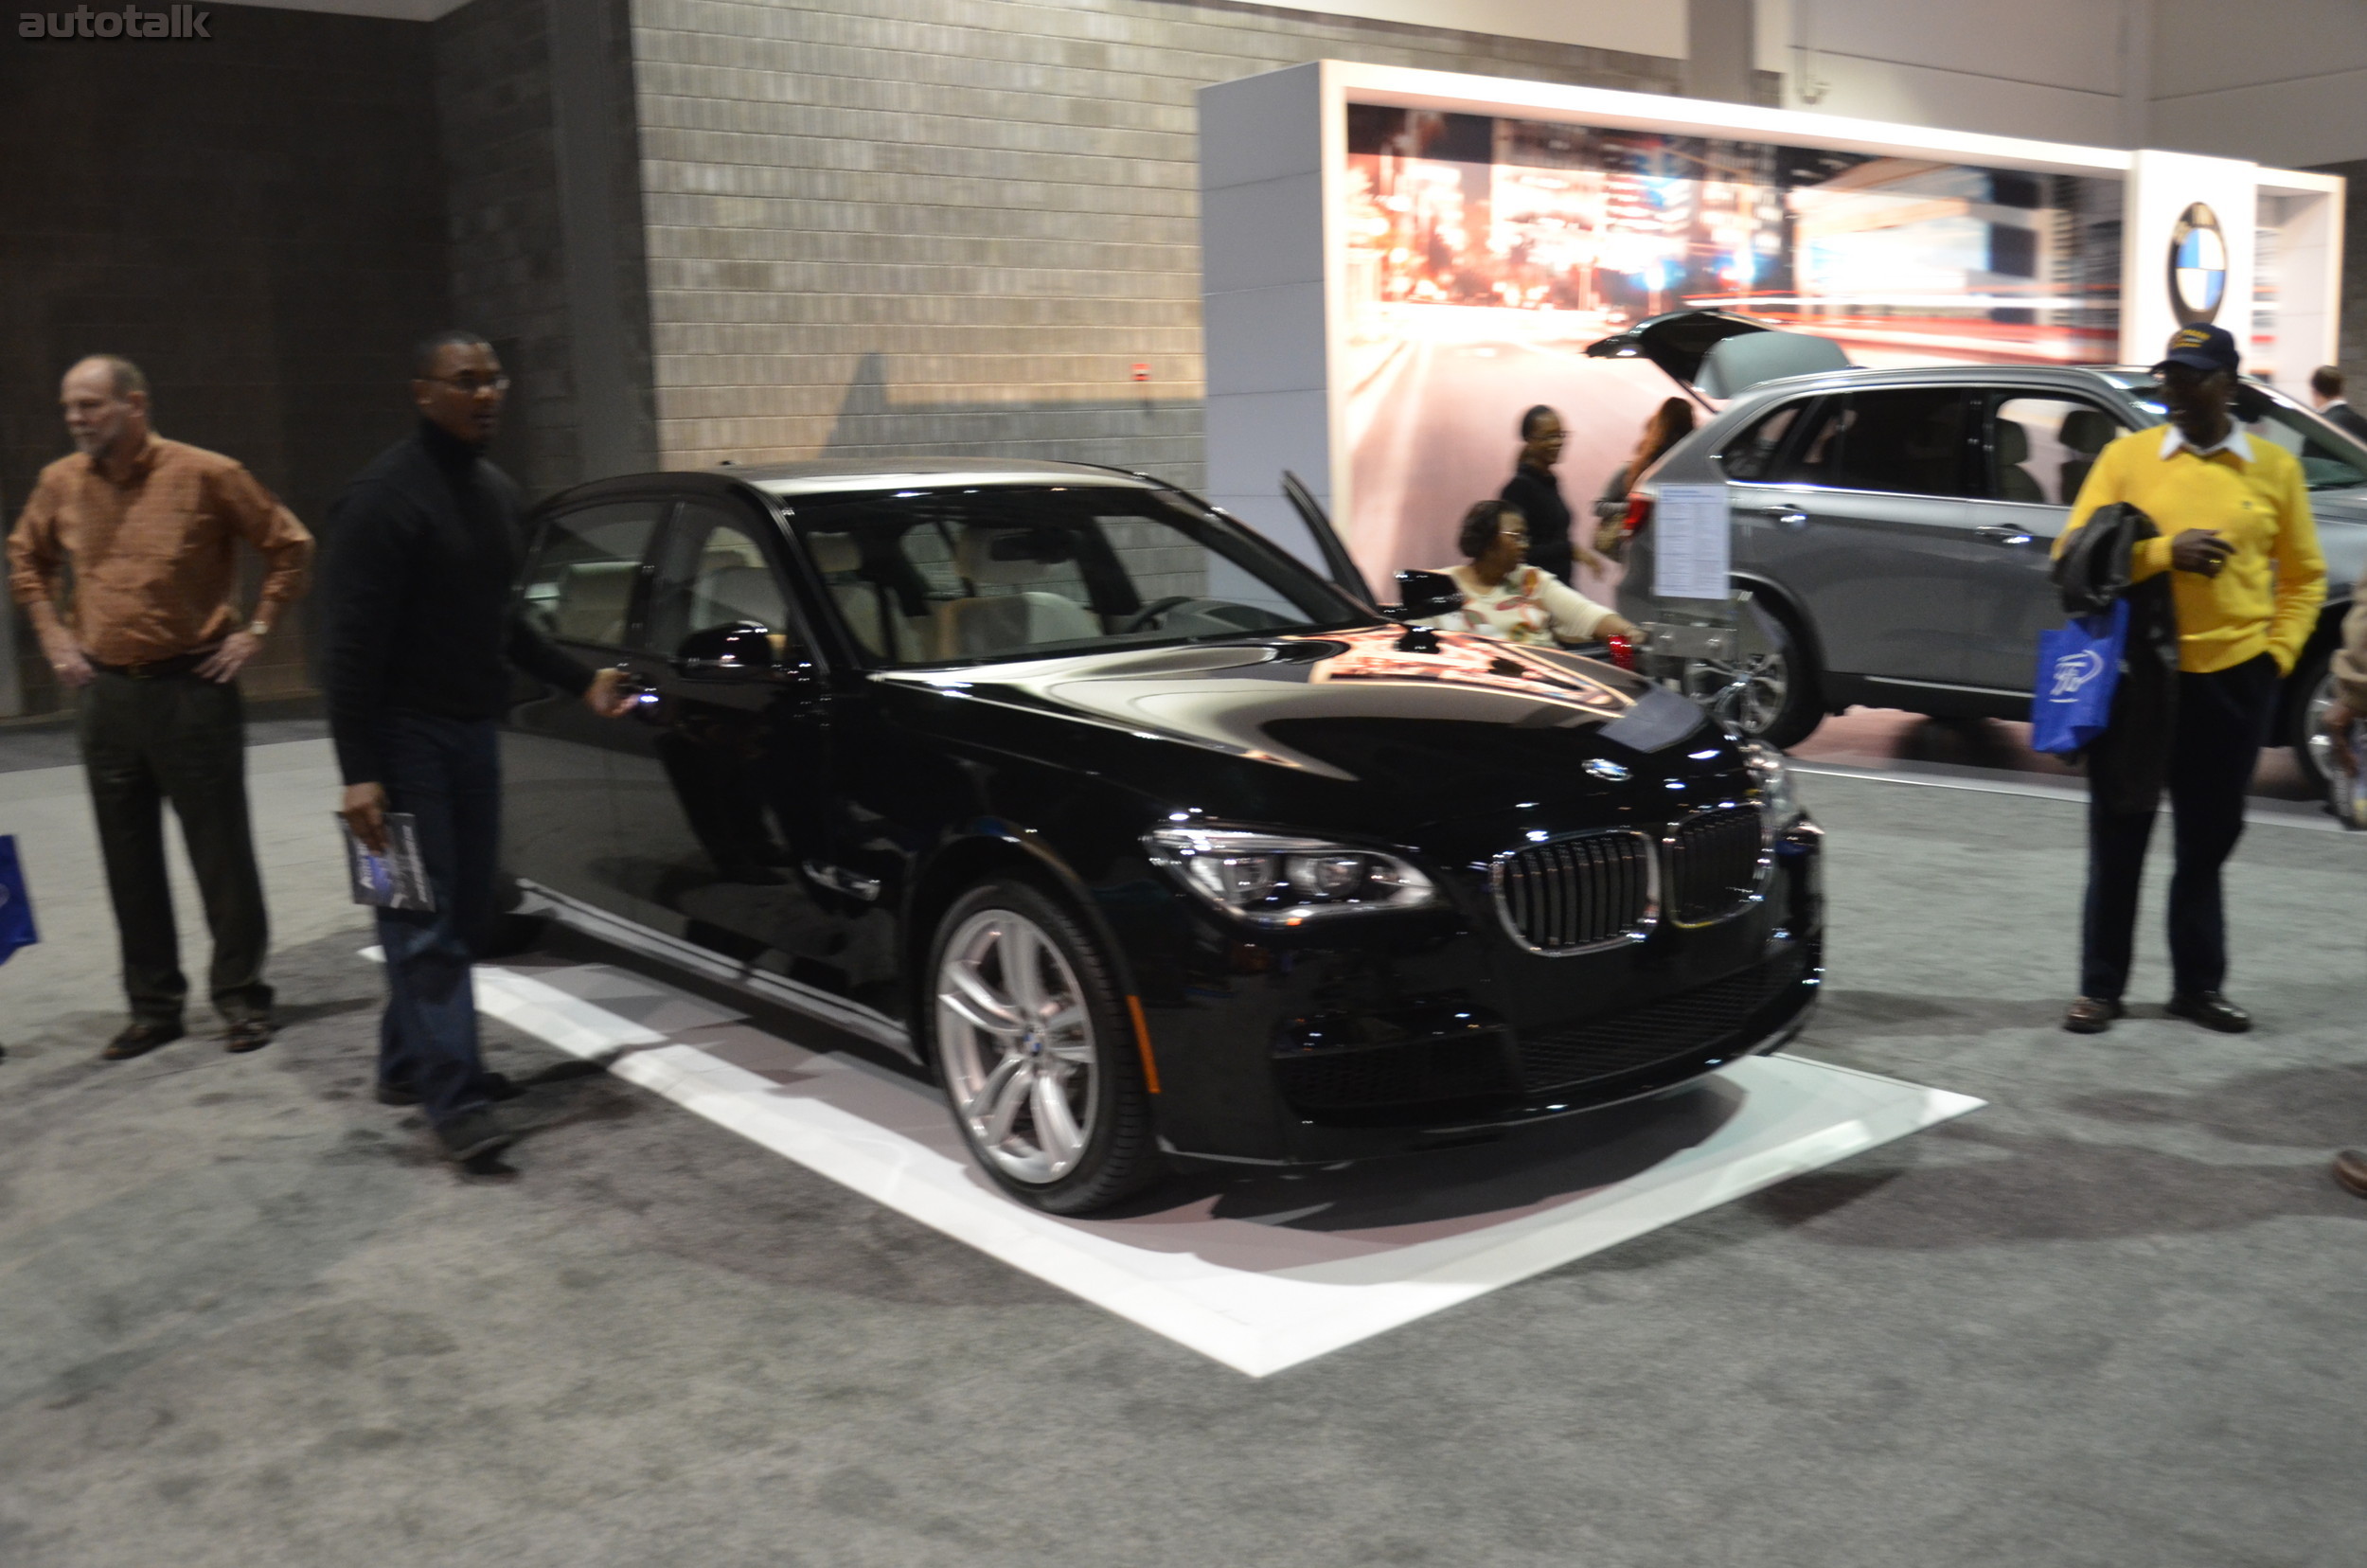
1752 455
580 574
1013 571
1906 441
2329 459
2040 449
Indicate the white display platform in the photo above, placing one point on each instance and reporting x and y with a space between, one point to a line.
1259 1275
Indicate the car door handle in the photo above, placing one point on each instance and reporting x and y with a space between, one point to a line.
1789 517
2005 533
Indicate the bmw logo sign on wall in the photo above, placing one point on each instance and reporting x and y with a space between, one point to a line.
2197 266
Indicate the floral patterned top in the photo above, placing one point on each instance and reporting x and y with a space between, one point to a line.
1530 606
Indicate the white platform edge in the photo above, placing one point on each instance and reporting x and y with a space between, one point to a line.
1272 1321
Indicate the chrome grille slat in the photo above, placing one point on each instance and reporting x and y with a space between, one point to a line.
1577 894
1717 860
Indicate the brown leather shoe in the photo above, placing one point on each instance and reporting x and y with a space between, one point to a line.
2350 1171
248 1034
2091 1015
140 1038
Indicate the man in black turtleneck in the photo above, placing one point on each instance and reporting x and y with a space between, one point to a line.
422 633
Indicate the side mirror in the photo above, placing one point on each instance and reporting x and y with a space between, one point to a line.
1422 594
740 652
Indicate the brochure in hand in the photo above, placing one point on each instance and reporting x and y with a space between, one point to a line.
2346 782
396 880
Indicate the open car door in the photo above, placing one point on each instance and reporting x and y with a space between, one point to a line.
1338 564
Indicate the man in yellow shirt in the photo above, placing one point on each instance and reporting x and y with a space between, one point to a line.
2248 581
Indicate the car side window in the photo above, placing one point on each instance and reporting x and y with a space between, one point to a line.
1753 456
714 568
1908 441
2324 465
582 568
2040 449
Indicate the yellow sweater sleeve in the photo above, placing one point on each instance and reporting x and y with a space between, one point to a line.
2301 569
2106 485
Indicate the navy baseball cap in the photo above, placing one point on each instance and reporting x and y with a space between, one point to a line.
2202 349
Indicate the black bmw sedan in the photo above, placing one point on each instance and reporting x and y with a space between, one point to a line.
1150 842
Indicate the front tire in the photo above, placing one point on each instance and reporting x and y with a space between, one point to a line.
1770 692
1030 1035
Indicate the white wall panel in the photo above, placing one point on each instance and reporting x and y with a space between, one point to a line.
2073 44
1639 27
2291 124
1914 95
2205 46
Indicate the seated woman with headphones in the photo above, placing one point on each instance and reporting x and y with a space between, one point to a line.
1504 596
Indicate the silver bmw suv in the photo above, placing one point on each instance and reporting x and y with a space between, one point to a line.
1892 532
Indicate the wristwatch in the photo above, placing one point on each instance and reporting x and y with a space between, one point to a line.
259 628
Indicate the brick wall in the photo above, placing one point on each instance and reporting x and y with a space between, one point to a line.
254 218
890 226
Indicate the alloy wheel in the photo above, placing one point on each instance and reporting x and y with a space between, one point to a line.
1016 1045
1748 692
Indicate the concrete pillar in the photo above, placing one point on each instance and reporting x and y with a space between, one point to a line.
1719 50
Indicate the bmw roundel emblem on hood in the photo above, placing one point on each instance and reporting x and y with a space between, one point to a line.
1608 771
2197 266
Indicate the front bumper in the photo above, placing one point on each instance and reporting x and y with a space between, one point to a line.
1438 1031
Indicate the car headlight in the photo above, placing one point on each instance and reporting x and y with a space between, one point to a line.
1270 880
1772 774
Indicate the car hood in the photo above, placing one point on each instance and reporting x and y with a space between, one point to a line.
1468 727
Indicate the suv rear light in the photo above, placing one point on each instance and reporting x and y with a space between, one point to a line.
1638 516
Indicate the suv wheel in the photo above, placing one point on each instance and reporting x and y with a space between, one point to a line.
1769 692
1032 1040
2312 749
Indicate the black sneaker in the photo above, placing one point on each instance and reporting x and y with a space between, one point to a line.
493 1085
473 1134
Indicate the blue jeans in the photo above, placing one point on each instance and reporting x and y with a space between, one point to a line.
447 774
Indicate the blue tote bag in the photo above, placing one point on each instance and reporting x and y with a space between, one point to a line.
16 907
2079 665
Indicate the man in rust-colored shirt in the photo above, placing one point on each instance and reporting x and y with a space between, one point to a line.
151 529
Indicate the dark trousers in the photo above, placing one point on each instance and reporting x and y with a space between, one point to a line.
447 774
2222 721
182 739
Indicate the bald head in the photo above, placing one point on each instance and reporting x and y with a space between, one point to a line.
105 401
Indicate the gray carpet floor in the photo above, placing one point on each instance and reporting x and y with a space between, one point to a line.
2113 1319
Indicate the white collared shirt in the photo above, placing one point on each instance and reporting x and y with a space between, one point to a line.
2234 441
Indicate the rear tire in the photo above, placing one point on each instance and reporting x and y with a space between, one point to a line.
1772 692
1031 1038
2313 751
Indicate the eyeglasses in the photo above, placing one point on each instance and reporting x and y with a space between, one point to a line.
468 386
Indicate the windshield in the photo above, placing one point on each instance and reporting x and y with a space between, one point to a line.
951 577
2330 458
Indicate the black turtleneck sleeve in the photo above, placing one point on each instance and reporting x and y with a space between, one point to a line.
418 603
